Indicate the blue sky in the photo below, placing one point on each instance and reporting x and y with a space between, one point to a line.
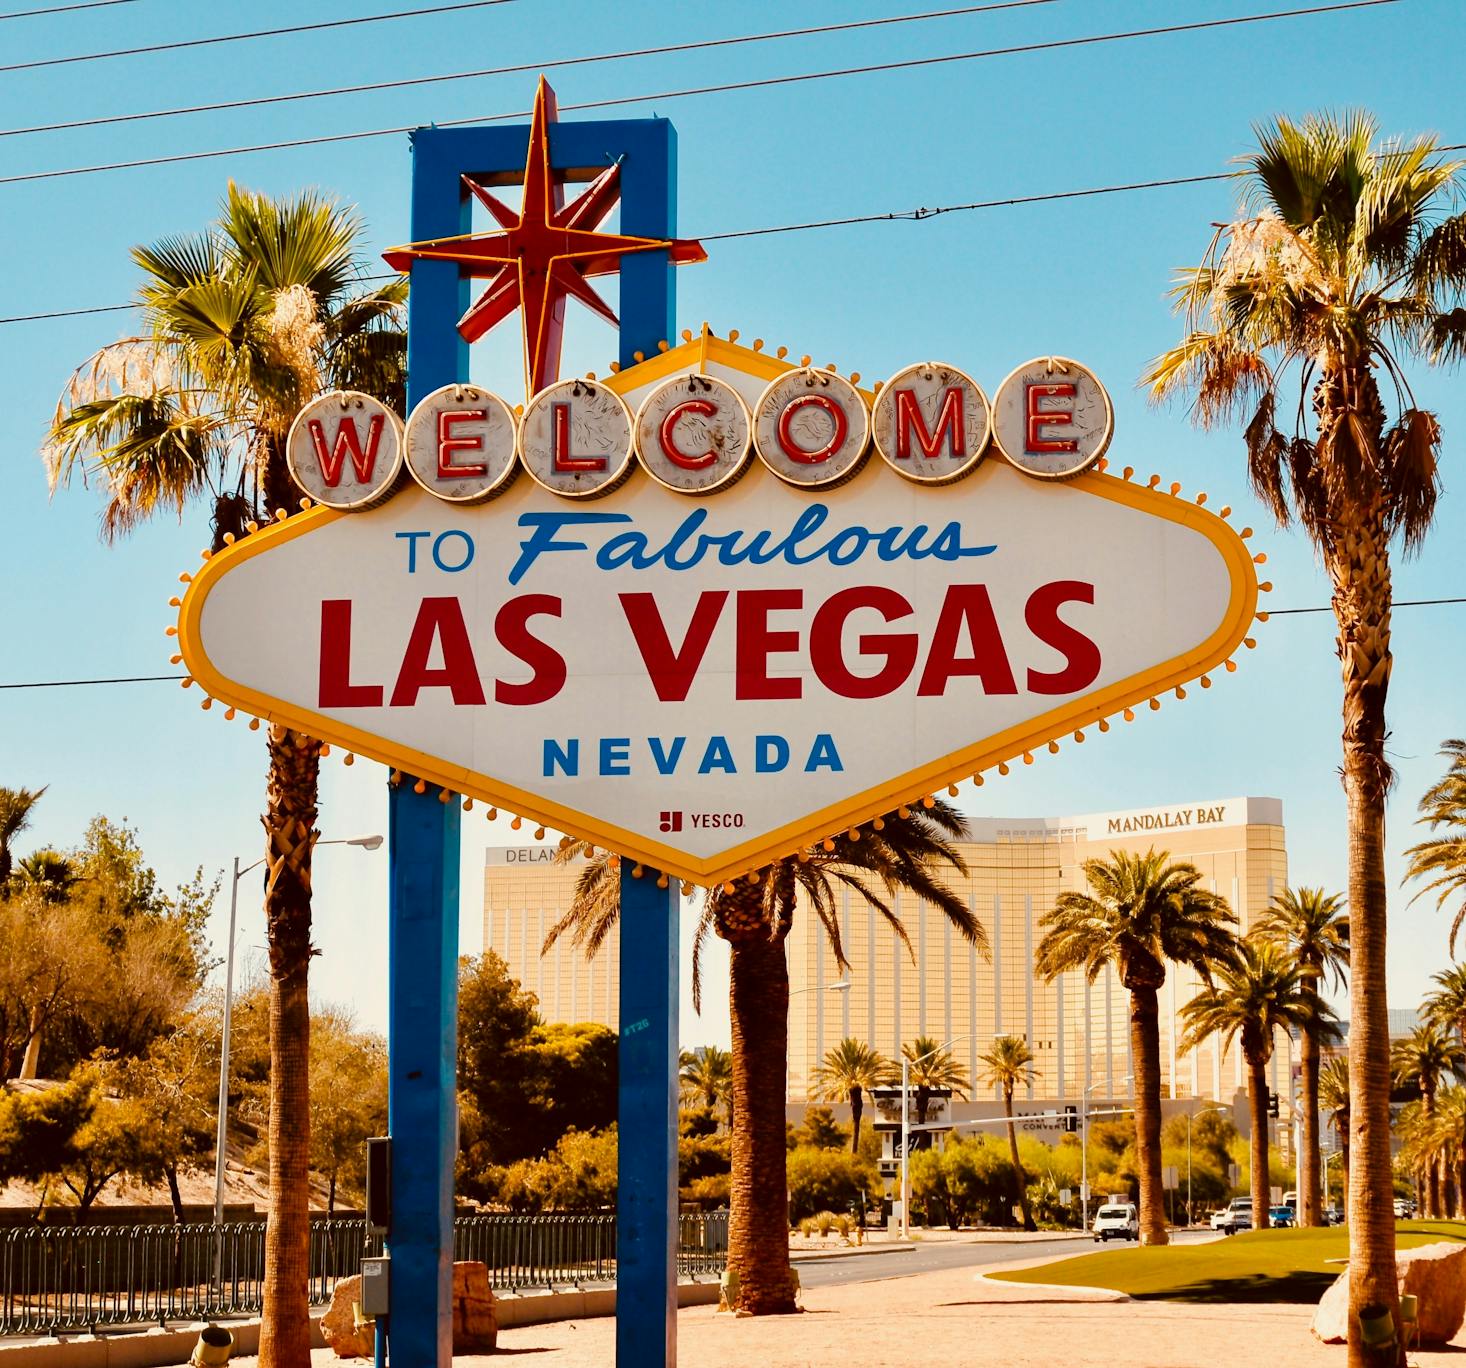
984 290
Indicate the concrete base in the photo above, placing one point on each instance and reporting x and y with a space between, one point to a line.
162 1348
135 1348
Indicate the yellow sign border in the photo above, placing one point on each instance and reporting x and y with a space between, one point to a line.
861 807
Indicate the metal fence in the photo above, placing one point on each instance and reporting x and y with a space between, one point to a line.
71 1278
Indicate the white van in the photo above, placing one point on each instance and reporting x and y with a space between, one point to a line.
1118 1221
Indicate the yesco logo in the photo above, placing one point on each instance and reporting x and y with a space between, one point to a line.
672 821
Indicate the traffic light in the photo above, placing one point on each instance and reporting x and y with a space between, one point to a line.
1272 1103
1071 1120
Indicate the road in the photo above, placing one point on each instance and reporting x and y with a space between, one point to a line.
940 1255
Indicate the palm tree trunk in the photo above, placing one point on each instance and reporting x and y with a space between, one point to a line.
1257 1108
1360 571
290 833
857 1106
1310 1212
758 1224
1433 1206
1017 1165
1145 1048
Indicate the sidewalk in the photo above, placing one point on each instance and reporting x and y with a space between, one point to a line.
956 1317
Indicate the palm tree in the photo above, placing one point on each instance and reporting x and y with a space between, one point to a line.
1141 912
1446 1007
245 323
849 1070
1314 926
1006 1065
931 1066
1333 1097
1258 991
706 1076
50 874
16 805
900 852
1345 258
1442 859
1422 1060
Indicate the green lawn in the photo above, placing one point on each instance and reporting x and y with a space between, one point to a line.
1260 1266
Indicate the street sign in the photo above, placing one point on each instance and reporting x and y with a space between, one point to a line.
706 684
1170 1177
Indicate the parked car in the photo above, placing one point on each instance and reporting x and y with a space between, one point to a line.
1334 1216
1404 1208
1282 1217
1116 1221
1219 1219
1238 1215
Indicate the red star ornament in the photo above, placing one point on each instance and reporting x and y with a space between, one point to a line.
545 253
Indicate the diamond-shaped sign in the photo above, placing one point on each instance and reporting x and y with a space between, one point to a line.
706 683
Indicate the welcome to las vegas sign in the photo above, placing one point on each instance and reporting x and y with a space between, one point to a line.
717 606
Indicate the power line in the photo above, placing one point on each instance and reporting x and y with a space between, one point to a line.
243 37
64 9
151 679
917 215
1400 603
909 64
522 67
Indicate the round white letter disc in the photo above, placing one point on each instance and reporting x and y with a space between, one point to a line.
344 449
931 422
575 438
811 428
460 443
1052 418
693 434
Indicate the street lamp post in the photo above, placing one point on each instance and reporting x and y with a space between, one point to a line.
222 1130
906 1128
1084 1148
839 986
1201 1111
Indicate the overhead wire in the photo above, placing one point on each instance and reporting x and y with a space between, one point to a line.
175 678
519 68
286 31
764 83
64 9
916 215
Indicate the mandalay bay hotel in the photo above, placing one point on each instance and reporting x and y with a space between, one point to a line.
941 988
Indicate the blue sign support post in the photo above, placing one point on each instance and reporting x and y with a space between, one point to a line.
425 830
646 1171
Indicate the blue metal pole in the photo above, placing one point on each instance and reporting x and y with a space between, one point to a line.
646 1187
422 1104
423 985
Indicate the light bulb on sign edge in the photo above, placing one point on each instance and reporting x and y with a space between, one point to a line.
421 786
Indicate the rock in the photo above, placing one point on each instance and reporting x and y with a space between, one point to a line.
1434 1273
475 1324
338 1325
1331 1319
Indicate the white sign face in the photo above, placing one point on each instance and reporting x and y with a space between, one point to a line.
1052 418
461 443
345 450
931 422
705 685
